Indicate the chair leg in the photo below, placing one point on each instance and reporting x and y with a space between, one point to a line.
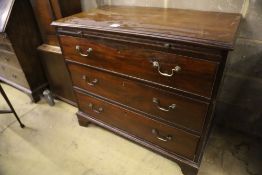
11 106
16 116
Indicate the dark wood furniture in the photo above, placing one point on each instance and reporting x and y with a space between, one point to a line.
149 74
50 53
12 110
19 36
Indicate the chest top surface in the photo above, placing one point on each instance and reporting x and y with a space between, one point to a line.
209 28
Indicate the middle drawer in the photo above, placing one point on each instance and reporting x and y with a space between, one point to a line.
165 106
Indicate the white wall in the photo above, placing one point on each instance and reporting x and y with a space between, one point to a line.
236 6
89 4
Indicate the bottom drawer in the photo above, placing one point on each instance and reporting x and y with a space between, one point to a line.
168 138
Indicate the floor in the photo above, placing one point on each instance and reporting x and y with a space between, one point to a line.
54 143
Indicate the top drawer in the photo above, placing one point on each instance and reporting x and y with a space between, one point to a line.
174 71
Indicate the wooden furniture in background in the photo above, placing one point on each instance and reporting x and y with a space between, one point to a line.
150 75
19 38
47 11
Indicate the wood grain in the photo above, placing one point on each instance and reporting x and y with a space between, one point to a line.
44 15
212 28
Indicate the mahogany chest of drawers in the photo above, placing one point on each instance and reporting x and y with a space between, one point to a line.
148 74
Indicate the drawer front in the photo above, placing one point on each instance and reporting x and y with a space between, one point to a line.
169 138
174 71
161 104
14 75
9 58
